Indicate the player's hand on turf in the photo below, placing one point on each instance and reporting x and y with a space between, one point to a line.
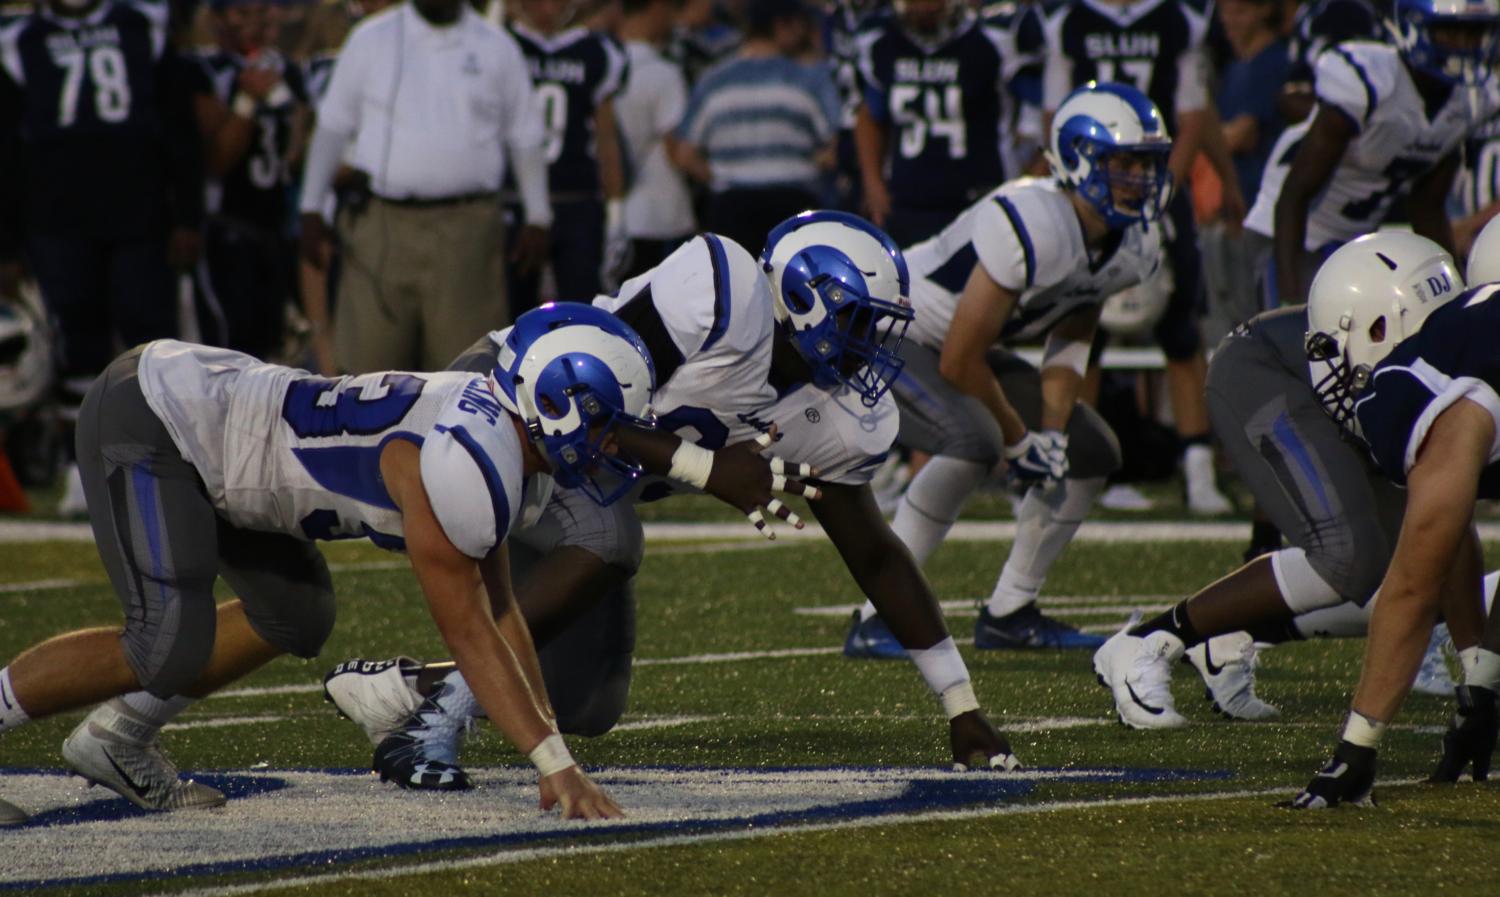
578 797
1040 457
1470 737
977 744
748 477
1346 779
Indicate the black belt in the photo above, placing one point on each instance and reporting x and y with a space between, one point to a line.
422 202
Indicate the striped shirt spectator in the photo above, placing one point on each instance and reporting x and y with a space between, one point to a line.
759 128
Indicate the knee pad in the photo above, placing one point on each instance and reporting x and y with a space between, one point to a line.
171 668
301 625
587 667
1302 588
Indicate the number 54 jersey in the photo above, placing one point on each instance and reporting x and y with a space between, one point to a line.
1398 139
281 450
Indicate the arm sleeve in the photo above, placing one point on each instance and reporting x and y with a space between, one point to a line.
324 154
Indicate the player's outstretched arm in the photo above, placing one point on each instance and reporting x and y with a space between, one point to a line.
886 573
1428 204
745 476
494 665
1327 138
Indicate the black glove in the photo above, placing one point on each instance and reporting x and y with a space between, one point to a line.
1470 737
1347 779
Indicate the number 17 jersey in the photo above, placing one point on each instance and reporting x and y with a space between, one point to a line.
281 450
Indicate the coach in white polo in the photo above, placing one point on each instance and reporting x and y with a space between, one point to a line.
428 103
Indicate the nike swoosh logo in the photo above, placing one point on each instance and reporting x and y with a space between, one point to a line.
139 791
1142 704
1214 669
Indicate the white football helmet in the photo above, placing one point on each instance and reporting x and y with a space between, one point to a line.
1371 294
1484 255
1098 122
1135 310
25 351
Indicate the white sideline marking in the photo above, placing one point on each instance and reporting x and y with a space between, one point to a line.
539 853
41 585
221 722
664 722
1059 605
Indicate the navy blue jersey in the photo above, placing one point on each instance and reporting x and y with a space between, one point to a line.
573 72
843 22
99 107
254 191
1452 357
947 103
1156 47
1323 23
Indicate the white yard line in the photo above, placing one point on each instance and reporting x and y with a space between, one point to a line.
563 850
222 722
1060 605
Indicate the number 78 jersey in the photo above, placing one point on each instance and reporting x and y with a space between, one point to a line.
281 450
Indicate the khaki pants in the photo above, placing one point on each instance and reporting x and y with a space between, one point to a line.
418 284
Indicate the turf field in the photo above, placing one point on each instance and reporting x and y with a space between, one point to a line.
756 760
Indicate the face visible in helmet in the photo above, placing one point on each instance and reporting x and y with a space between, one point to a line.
1451 40
927 18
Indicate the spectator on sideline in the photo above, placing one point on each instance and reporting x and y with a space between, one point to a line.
436 104
658 206
104 165
1249 86
759 127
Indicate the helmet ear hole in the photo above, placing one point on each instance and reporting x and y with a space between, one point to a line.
1376 332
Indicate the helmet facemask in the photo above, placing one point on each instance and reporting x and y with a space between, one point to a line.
1453 41
1337 384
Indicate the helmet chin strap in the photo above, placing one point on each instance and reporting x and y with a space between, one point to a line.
533 421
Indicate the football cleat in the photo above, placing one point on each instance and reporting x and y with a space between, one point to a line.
1349 778
423 752
374 694
140 773
10 814
1138 672
872 640
1029 628
1227 665
1433 676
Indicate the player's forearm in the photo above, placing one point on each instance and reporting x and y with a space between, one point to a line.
869 147
652 449
1189 139
1290 225
1060 388
607 146
976 379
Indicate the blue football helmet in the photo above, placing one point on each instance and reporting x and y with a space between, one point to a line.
1109 144
1464 54
573 373
841 285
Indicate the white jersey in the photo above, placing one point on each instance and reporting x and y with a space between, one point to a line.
832 430
705 313
1396 143
1028 237
282 450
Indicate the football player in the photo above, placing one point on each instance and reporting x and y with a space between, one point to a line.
1389 123
1035 258
805 343
1318 26
935 99
576 73
202 462
250 97
1159 49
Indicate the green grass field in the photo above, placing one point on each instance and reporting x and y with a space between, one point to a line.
1063 836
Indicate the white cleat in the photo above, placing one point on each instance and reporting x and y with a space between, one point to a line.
1138 672
374 694
10 814
1227 665
140 773
1433 676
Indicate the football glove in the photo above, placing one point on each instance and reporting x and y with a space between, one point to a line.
1470 737
1038 457
1347 779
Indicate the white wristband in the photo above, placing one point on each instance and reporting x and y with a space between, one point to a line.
1362 730
551 756
244 106
959 699
692 465
1481 667
614 216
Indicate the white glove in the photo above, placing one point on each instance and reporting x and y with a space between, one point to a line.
1039 457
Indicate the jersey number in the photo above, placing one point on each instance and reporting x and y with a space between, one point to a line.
315 407
936 112
554 100
105 66
1136 72
267 166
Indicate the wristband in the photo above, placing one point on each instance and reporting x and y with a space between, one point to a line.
244 106
692 465
614 216
1481 667
959 699
279 96
551 756
1362 731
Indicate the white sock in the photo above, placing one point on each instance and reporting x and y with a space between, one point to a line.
932 502
1045 525
456 699
139 716
1347 620
12 715
1491 581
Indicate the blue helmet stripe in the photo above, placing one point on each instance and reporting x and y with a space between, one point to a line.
720 263
1020 228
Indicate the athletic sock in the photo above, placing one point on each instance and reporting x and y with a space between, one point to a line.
932 502
1174 621
12 714
139 715
1276 632
1045 523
